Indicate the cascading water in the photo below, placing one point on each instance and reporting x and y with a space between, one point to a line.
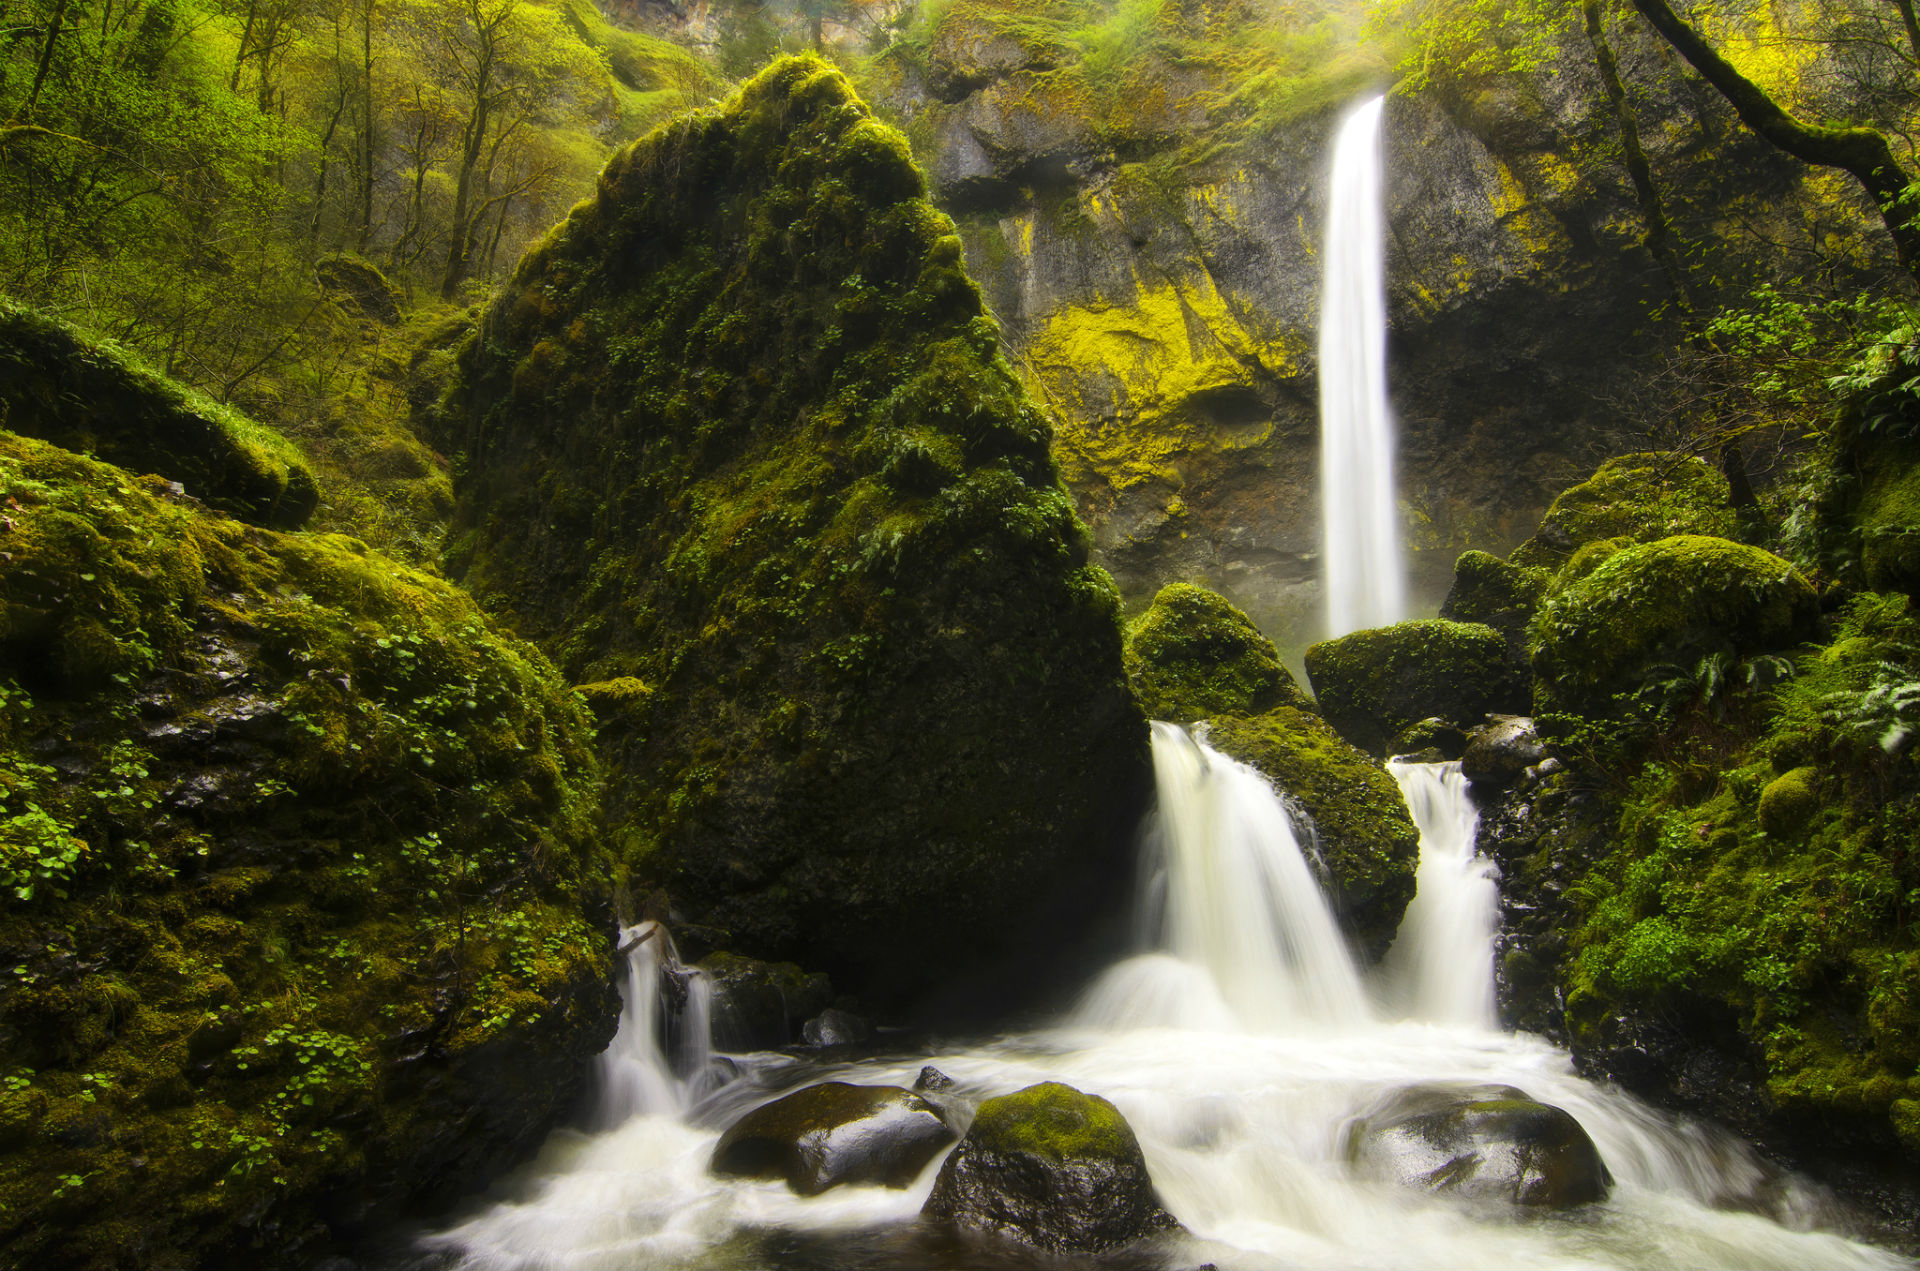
1241 1097
1441 964
1364 578
658 1061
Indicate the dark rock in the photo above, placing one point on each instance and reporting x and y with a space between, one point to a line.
832 1134
932 1080
760 1005
1374 684
1052 1167
834 1027
1500 751
1485 1142
1441 738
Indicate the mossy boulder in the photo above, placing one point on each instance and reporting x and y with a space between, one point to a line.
305 907
835 1134
740 429
1886 516
93 397
1669 602
1053 1167
1193 654
358 284
1497 594
1373 684
1643 496
1481 1142
1789 802
1365 837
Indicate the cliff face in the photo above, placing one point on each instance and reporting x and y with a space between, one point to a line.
1154 256
740 450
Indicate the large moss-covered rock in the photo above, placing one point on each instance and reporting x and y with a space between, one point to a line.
1373 684
58 385
1193 654
1050 1166
303 897
1673 601
1365 837
1639 496
740 429
835 1134
1497 594
1482 1142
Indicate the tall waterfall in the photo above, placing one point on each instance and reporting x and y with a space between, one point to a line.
1365 581
1441 963
1248 938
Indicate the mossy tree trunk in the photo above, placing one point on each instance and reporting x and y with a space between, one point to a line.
1861 152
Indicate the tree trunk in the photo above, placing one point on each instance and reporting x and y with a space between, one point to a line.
1862 152
459 245
1659 235
365 150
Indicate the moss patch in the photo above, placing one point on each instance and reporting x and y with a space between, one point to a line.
96 398
301 880
1054 1122
741 430
1639 496
1192 654
1373 684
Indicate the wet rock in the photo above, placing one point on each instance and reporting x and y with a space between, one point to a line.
834 1027
1374 684
932 1080
759 1005
1484 1142
1433 740
1499 752
1052 1167
832 1134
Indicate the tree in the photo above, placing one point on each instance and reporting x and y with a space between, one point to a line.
1862 152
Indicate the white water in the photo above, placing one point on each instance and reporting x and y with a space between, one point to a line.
1240 1098
659 1062
1441 964
1365 581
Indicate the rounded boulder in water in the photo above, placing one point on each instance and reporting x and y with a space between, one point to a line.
835 1133
1053 1167
1483 1142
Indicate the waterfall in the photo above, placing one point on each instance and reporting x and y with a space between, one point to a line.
660 1060
1247 935
1442 960
1364 578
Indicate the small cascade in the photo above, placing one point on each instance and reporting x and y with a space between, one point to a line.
1441 964
1365 582
661 1059
1247 934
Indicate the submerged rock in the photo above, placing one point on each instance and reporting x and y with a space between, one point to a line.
1373 684
1052 1167
740 429
1485 1142
833 1134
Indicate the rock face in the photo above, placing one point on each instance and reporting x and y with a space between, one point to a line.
60 387
835 1134
1668 602
1372 685
1482 1142
305 896
740 429
761 1005
1051 1167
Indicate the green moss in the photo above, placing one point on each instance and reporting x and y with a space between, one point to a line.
1639 496
1192 654
1054 1122
1673 601
798 492
1372 685
1905 1114
1365 838
1789 802
97 398
301 872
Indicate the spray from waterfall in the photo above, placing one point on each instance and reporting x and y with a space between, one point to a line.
1364 579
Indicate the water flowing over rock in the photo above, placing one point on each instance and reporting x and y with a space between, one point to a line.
834 1134
1052 1167
1486 1143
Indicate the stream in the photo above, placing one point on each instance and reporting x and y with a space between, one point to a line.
1241 1042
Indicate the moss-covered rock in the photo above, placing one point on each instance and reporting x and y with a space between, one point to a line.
1366 839
761 1005
1669 602
740 428
1789 802
1494 593
1053 1167
1639 496
1193 654
94 398
1373 684
304 907
835 1134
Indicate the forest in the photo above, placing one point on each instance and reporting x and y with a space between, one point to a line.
900 633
